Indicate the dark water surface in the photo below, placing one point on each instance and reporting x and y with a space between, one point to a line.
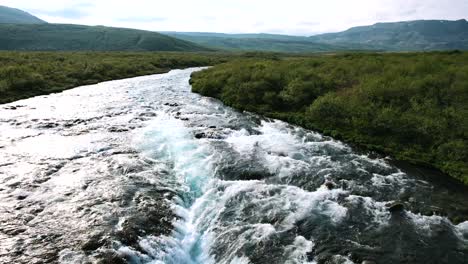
144 171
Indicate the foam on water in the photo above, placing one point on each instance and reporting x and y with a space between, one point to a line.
202 209
462 229
378 210
167 139
219 220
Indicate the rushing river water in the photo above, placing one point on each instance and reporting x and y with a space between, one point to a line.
144 171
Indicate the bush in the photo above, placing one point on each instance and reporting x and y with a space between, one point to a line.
25 74
412 106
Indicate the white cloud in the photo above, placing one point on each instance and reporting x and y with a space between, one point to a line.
232 16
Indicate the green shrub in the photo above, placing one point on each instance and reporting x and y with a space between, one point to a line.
25 74
412 106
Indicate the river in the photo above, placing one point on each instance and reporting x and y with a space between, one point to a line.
142 170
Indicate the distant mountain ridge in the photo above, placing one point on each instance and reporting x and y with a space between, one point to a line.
10 15
63 37
20 30
259 42
409 35
418 35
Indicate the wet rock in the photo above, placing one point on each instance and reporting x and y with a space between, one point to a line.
431 210
438 211
152 217
330 185
109 257
41 179
71 123
48 125
13 231
253 175
128 235
36 210
209 134
21 197
148 114
396 207
93 243
14 184
117 129
200 135
6 164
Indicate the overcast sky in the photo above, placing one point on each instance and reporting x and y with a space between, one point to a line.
295 17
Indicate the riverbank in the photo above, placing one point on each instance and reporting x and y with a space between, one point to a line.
411 106
27 74
142 170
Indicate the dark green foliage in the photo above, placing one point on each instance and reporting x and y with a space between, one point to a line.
26 74
412 106
61 37
409 36
15 16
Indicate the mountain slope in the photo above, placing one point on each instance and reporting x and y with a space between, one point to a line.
259 42
55 37
410 35
15 16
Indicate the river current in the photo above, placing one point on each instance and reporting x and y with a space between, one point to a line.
142 170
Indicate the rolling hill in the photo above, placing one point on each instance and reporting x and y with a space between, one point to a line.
62 37
260 42
15 16
408 36
419 35
20 30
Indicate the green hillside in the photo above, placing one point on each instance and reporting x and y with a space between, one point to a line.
260 42
15 16
421 35
62 37
411 35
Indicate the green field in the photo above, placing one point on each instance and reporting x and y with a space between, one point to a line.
412 106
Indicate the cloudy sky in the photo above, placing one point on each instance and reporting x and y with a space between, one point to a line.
296 17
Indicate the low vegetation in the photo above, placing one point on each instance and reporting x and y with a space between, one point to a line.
412 106
26 74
